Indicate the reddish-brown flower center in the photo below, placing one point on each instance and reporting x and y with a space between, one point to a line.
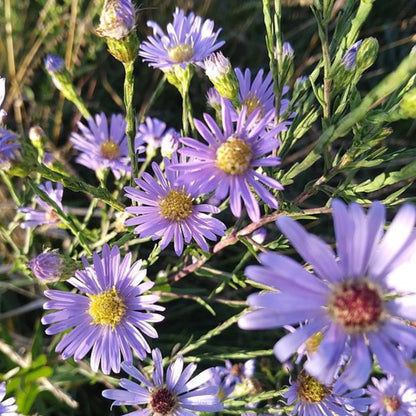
163 402
392 404
357 306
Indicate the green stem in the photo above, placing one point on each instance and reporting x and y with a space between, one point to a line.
130 118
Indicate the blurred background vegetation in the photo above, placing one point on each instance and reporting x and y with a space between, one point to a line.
31 29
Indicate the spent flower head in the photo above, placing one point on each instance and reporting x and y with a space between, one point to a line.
103 144
189 40
176 394
169 211
229 159
110 314
8 406
45 214
117 19
360 301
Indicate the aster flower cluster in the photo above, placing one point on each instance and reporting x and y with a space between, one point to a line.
343 315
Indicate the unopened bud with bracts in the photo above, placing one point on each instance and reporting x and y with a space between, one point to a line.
50 266
63 82
220 72
117 26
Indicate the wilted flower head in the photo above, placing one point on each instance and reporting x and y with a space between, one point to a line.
8 406
110 314
103 145
46 214
392 397
117 19
360 301
9 147
228 161
350 56
54 64
178 395
50 266
189 40
214 99
167 210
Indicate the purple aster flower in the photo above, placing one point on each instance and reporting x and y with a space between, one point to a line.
259 94
8 406
189 40
230 160
103 146
349 58
312 398
3 113
108 316
54 64
361 303
177 395
391 398
117 19
9 147
45 215
167 210
152 132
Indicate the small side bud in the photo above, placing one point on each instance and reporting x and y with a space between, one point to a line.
50 266
407 105
367 54
220 72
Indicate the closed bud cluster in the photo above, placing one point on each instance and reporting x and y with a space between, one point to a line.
220 72
117 27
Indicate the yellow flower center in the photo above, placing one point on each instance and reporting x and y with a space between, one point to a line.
310 390
234 156
109 150
107 308
181 53
176 205
392 404
252 103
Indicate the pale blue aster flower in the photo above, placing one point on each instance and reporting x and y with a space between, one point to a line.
360 300
110 314
176 394
229 159
312 398
45 214
47 266
152 132
189 40
8 407
392 397
103 144
167 210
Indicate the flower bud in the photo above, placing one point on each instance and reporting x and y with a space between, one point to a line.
407 105
50 266
367 54
220 72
